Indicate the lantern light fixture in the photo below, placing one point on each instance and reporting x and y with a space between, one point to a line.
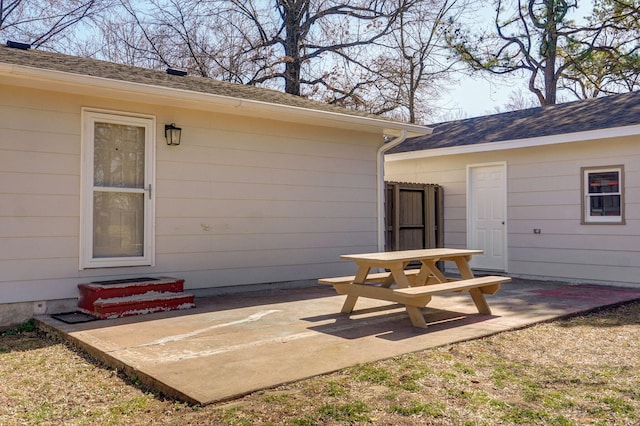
172 134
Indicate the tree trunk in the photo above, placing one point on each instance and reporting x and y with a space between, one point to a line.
292 13
551 41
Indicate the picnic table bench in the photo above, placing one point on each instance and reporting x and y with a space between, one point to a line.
413 287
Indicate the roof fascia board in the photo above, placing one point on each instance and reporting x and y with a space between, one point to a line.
386 127
518 143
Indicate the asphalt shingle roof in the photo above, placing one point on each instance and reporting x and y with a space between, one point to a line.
109 70
592 114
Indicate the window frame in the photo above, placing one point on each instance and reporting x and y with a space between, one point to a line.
89 117
587 218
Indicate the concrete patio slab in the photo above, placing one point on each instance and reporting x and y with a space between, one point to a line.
232 345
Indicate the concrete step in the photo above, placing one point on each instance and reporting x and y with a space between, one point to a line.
91 292
140 304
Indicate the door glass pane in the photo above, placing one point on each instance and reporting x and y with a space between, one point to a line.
118 156
118 224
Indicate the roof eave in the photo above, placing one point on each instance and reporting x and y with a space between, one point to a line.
179 97
518 143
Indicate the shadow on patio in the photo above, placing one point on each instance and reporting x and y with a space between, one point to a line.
232 345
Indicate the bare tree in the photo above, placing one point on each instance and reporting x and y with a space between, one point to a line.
379 56
537 38
299 46
42 23
417 62
309 30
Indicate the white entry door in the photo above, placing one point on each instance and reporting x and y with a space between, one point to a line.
486 215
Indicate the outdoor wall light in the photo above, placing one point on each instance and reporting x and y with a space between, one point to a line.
172 133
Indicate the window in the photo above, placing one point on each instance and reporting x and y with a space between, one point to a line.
603 200
117 203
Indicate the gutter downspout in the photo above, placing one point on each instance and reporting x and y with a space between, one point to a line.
380 184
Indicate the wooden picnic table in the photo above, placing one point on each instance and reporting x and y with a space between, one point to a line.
413 287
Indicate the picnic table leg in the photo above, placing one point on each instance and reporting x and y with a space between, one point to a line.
423 276
480 301
462 263
397 271
476 294
390 279
430 265
416 316
351 300
349 304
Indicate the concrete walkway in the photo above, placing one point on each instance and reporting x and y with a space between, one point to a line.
232 345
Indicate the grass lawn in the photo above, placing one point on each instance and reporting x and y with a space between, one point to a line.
579 371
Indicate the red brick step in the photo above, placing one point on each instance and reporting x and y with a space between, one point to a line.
91 292
135 296
141 304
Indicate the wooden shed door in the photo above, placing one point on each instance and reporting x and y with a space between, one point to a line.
414 216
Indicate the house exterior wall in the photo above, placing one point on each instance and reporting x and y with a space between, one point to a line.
544 192
241 201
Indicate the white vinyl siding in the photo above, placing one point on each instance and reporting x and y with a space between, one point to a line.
243 200
545 192
39 195
246 202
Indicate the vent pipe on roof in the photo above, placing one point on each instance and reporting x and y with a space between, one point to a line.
174 71
18 45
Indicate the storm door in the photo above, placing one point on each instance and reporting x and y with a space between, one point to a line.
117 200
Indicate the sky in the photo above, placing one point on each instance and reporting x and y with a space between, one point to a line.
473 97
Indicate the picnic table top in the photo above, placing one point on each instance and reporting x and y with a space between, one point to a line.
409 255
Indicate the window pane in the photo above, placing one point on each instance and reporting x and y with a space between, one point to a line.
118 224
118 157
605 205
603 182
